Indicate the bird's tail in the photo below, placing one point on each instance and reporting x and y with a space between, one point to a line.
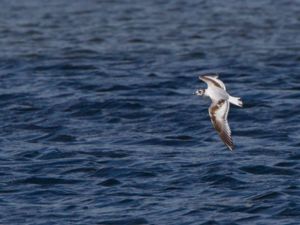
236 101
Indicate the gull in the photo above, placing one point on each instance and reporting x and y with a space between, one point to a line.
219 108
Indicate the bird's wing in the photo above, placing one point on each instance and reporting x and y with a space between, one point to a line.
213 81
218 113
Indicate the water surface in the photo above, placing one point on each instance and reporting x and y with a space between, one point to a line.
99 124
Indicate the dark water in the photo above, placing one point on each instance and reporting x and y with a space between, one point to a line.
99 124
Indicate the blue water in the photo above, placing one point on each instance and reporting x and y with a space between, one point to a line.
99 124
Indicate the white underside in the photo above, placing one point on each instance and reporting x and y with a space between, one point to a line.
216 94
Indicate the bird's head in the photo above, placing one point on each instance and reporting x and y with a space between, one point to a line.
200 92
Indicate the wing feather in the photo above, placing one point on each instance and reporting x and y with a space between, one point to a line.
213 81
218 113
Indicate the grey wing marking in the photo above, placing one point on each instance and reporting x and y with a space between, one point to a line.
218 114
214 81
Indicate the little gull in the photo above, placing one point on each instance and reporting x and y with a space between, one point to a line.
219 108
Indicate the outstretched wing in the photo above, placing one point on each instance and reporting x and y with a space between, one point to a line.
218 113
213 81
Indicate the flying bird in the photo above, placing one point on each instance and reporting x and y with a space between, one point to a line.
219 108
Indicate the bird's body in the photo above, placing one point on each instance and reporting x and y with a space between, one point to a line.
219 108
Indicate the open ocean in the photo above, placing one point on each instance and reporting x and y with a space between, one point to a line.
99 124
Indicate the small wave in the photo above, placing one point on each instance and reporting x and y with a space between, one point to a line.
262 170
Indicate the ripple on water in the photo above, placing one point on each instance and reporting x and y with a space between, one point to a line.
46 181
264 170
99 124
133 221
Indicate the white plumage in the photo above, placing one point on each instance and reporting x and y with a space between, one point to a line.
219 108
